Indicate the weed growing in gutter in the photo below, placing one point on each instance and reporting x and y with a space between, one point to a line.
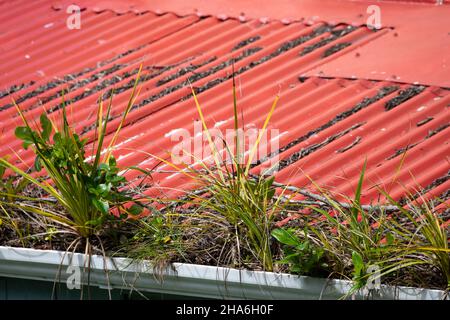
86 190
410 244
247 205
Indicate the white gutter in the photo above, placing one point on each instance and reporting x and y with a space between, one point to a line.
187 279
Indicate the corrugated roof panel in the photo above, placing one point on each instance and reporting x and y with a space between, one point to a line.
327 125
413 52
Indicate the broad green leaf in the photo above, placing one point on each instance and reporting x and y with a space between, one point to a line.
292 257
94 222
93 191
135 210
103 166
24 133
285 237
101 205
103 189
358 262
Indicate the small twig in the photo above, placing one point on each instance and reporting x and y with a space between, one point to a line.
285 199
351 145
324 200
49 199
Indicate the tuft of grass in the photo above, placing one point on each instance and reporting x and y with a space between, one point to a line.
247 203
425 235
86 190
158 238
230 192
355 240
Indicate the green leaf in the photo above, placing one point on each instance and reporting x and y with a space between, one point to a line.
93 191
303 246
285 237
101 205
115 179
94 222
103 166
112 161
293 257
46 127
135 210
358 263
26 144
37 164
24 133
103 189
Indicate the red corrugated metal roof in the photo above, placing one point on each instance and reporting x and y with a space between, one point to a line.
421 31
328 125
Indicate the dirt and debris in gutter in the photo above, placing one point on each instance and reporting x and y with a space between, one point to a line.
429 135
435 183
335 34
246 42
437 130
307 151
197 76
424 121
41 89
335 48
383 92
69 78
403 96
402 150
288 45
185 70
14 88
156 71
